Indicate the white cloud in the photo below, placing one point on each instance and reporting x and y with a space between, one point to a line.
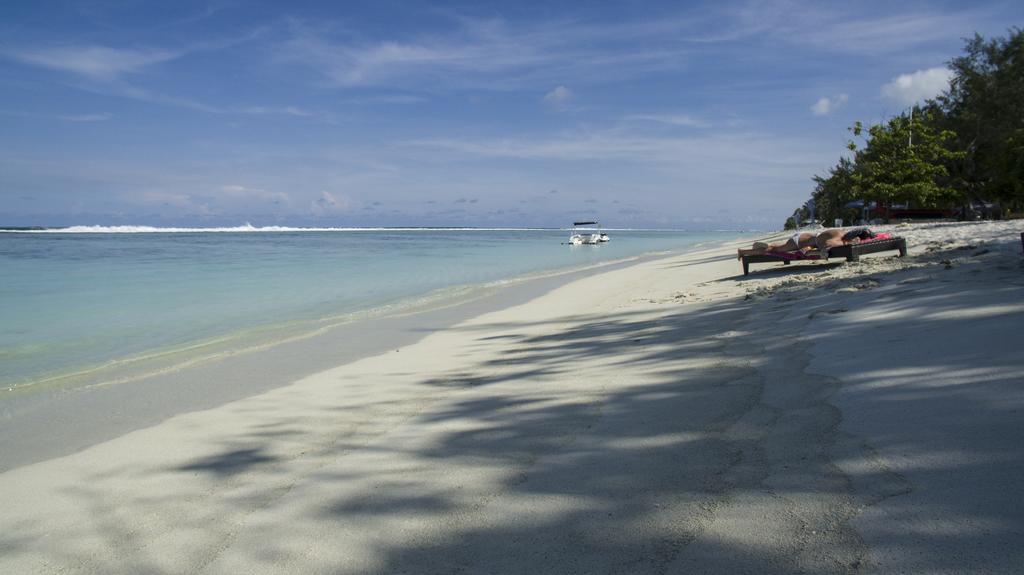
559 97
825 105
822 106
910 89
96 62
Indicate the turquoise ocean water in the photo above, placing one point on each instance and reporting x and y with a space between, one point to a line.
90 304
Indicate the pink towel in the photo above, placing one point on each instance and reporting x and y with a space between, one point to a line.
877 238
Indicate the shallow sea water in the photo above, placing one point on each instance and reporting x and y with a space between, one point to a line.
72 304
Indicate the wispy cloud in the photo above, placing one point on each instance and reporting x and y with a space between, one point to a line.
740 154
896 31
237 191
286 110
908 89
103 70
484 54
86 117
95 62
494 54
119 71
669 119
390 99
841 28
65 117
185 203
142 94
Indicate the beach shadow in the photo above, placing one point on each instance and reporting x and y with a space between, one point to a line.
704 260
782 270
578 452
628 475
231 462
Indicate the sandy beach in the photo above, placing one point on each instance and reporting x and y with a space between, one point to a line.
672 416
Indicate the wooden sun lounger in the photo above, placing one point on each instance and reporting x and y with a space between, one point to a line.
769 258
851 252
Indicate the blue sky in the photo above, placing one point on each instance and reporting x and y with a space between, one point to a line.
641 114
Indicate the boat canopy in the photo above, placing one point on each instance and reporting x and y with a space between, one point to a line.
583 223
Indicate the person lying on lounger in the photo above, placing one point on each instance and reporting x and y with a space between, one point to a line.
836 237
799 241
806 241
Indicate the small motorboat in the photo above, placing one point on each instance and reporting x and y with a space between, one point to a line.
581 236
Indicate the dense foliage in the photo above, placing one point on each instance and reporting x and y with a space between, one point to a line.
963 150
905 161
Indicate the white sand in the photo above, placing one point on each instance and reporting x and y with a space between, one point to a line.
672 417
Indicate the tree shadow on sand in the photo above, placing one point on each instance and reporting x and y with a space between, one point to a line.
704 422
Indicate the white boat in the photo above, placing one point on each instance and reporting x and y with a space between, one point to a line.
580 236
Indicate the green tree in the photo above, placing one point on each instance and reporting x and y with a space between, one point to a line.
833 192
967 144
985 107
1010 172
905 161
